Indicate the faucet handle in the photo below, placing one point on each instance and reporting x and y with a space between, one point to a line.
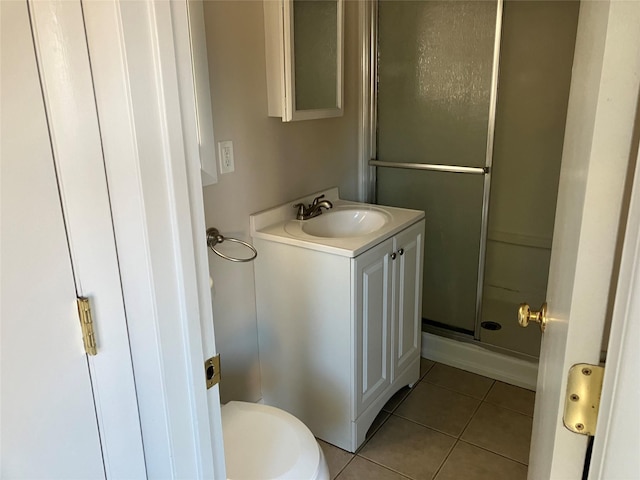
317 199
301 209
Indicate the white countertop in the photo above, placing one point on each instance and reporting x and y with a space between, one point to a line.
279 224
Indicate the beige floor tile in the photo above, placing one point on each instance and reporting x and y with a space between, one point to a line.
397 399
408 448
425 366
500 430
472 463
458 380
438 408
336 458
361 469
511 397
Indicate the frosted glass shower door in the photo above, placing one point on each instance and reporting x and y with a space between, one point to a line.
435 67
453 206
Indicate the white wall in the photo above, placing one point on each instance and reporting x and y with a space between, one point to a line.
274 162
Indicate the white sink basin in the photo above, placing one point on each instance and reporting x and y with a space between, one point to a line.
348 222
348 229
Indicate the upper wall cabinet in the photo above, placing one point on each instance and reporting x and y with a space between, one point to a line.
304 52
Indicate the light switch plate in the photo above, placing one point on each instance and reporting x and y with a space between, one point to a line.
225 155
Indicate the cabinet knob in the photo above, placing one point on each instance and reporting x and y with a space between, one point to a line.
401 251
393 256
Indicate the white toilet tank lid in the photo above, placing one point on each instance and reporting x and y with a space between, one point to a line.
267 443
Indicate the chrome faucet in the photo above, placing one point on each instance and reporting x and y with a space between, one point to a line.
313 210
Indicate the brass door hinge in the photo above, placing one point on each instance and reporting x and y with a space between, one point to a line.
86 323
212 371
582 403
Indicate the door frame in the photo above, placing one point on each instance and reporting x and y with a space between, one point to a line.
158 215
618 434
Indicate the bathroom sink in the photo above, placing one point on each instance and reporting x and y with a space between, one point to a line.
346 229
348 222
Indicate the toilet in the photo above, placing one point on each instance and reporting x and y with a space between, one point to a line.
263 442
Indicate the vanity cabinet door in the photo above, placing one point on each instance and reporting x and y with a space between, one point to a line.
373 284
407 297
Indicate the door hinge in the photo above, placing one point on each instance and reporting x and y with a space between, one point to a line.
582 403
212 371
86 323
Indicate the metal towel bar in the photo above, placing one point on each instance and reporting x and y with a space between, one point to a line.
431 166
214 237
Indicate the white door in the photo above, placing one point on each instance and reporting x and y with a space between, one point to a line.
597 151
64 415
49 424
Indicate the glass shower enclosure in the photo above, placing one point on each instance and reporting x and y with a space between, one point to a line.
439 106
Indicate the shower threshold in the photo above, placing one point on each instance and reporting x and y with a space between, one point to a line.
467 336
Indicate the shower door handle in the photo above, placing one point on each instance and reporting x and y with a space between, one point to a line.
526 315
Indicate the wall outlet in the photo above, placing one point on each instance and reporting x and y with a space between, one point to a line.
225 156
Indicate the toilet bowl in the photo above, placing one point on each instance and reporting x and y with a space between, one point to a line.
263 442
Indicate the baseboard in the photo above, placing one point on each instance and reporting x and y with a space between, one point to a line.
482 361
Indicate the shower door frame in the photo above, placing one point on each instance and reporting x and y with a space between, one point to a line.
367 129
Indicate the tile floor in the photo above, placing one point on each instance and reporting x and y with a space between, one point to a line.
452 425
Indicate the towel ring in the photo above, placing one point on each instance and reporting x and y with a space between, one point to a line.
214 237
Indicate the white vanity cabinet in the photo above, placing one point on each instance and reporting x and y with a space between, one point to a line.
339 334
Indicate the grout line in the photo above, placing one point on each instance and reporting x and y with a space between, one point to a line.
367 440
343 468
425 426
474 414
490 388
485 448
455 391
495 382
446 457
411 389
386 467
495 453
507 408
424 379
353 455
433 364
357 453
